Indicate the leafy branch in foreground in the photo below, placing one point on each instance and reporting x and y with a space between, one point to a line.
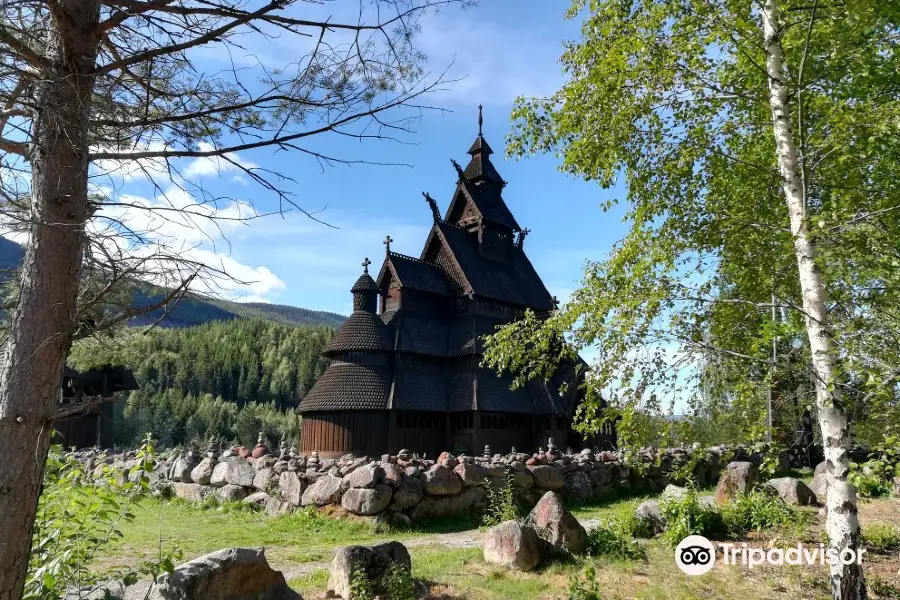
81 513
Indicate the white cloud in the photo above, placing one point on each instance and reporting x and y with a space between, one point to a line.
497 64
205 166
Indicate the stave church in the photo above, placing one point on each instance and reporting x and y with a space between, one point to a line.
404 370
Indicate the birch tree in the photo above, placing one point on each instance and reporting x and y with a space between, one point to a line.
680 99
92 89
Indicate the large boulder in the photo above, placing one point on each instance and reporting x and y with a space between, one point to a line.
821 468
231 493
792 491
325 490
673 492
366 476
737 479
367 501
513 545
556 525
230 574
441 481
181 470
393 475
192 492
819 486
263 479
470 473
470 501
202 473
523 479
258 500
577 486
292 487
547 477
648 513
371 561
234 470
408 494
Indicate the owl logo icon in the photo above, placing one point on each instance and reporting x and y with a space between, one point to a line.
695 555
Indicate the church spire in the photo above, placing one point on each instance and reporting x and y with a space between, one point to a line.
480 168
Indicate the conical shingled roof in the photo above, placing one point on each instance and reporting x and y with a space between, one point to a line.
480 146
365 283
362 331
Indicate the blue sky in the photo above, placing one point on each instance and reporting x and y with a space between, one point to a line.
496 51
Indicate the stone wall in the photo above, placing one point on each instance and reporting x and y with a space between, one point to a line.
406 487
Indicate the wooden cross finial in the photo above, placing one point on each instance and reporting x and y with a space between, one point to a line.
365 264
387 244
480 120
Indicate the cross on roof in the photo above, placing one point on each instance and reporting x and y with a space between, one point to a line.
365 264
387 244
480 120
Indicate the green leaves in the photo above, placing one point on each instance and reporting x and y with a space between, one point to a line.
79 513
672 96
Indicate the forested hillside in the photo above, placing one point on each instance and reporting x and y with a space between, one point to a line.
230 378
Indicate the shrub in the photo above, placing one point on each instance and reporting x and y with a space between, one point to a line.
501 503
615 540
585 587
77 516
396 583
685 516
881 537
870 486
756 510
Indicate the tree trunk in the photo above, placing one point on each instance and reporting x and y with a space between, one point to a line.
44 318
842 524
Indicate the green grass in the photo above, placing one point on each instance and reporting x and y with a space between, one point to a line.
301 545
302 537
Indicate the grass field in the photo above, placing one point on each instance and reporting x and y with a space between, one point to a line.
447 555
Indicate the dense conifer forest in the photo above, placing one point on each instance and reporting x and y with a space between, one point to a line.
230 379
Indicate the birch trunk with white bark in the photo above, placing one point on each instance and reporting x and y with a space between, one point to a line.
842 524
44 318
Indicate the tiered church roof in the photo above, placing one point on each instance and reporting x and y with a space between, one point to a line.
422 350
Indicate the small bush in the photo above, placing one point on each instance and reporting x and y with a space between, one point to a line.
615 540
756 511
870 486
685 516
501 504
585 587
396 583
881 537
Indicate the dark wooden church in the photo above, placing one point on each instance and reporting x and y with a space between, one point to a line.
404 369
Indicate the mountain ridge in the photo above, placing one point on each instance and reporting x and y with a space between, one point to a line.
194 310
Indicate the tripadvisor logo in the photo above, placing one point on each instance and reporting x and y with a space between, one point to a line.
695 555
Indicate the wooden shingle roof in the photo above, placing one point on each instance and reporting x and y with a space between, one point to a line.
362 331
416 274
349 386
516 282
